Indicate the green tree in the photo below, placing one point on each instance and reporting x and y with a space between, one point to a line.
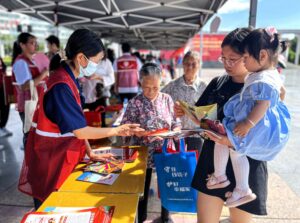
292 50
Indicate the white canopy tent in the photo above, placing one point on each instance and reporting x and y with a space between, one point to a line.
152 24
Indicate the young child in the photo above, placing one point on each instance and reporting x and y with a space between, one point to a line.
257 122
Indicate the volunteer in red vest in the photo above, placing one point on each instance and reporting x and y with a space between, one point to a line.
24 70
126 70
57 140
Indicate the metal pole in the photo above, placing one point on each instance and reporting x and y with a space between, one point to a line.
56 31
297 51
252 13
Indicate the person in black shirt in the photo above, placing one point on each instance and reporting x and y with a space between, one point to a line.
220 90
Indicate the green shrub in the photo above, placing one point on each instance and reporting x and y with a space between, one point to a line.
7 60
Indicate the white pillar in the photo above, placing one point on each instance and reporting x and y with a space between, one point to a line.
297 51
201 51
286 54
2 49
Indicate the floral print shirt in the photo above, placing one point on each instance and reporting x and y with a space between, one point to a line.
150 115
179 90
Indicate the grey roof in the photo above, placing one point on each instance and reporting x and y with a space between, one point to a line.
153 24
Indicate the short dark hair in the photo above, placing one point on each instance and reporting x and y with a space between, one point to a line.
259 39
84 41
24 37
126 47
53 40
235 39
81 41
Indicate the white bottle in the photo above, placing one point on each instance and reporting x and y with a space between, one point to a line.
125 103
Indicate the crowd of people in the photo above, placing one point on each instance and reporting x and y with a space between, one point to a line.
85 76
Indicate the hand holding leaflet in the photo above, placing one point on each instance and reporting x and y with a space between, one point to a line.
199 112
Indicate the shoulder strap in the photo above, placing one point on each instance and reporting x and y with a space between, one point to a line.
220 81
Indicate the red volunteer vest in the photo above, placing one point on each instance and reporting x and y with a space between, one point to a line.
22 95
50 157
127 70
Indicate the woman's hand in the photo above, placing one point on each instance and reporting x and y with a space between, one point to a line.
128 130
141 134
177 129
101 157
218 138
178 110
97 157
155 138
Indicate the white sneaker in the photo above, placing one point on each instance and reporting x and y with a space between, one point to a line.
214 182
239 197
8 133
4 132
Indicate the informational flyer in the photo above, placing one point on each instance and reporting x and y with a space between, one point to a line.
98 178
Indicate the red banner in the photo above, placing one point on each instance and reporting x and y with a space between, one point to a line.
211 45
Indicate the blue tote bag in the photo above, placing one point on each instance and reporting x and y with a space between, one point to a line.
175 172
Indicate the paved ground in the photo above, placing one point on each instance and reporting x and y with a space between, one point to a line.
284 181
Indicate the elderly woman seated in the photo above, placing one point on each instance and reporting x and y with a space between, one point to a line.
152 110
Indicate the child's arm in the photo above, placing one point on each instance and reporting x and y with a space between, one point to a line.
259 110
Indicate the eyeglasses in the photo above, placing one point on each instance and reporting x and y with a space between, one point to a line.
229 62
87 59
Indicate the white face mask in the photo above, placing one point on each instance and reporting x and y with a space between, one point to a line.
89 70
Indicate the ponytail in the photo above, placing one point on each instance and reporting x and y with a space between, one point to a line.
275 44
16 52
55 62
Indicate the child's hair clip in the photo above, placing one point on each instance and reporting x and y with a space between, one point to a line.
271 31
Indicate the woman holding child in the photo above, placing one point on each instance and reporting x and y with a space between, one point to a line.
210 202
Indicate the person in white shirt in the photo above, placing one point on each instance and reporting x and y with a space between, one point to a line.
96 89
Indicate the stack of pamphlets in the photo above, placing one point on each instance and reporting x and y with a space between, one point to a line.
124 153
98 178
102 172
102 214
111 166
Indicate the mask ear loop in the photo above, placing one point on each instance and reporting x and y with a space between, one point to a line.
86 59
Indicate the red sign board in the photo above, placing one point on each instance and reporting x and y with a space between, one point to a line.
211 45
